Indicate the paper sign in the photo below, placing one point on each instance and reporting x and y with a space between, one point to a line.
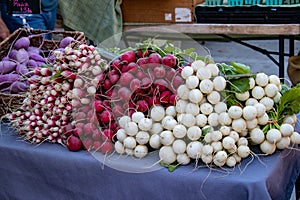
183 15
23 6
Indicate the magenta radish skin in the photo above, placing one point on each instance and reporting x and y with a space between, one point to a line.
159 72
126 78
169 60
74 143
154 58
128 57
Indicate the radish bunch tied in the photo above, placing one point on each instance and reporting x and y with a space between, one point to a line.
135 81
18 65
211 123
47 113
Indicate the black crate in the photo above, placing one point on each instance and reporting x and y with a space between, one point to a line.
248 14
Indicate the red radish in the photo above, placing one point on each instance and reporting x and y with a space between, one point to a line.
154 58
114 126
126 78
112 72
74 143
135 84
125 68
170 73
87 143
88 128
124 94
106 147
98 104
106 103
116 64
140 74
177 81
106 117
107 84
172 99
159 72
142 62
78 131
142 105
165 97
161 84
142 54
114 78
69 74
169 60
108 134
132 67
146 82
97 145
118 110
153 101
128 57
96 134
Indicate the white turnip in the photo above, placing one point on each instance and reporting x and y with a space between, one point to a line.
194 133
179 146
194 149
167 155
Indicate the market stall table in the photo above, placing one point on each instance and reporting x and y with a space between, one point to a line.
235 32
50 171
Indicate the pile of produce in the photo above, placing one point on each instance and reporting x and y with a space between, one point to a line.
18 65
221 113
158 99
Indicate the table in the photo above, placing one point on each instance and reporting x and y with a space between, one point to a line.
49 171
234 32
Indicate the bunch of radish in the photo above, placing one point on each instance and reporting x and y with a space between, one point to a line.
50 107
203 126
18 65
134 82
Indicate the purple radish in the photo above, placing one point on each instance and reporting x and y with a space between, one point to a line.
18 86
22 56
22 43
7 66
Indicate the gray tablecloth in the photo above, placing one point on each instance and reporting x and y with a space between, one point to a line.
50 171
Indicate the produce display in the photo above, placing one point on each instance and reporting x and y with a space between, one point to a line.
150 98
17 66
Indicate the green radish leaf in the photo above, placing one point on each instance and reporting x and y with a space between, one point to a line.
189 51
47 66
171 167
290 102
226 69
239 85
169 49
240 68
205 131
56 75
